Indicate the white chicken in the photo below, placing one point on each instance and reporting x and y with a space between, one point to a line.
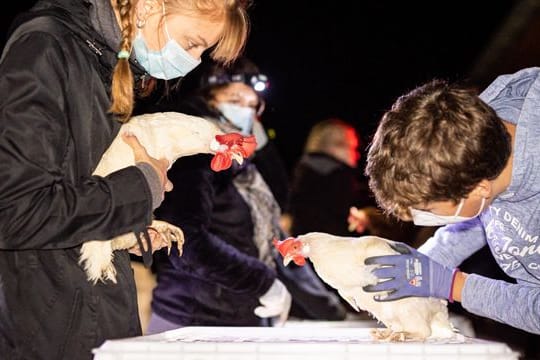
339 261
168 135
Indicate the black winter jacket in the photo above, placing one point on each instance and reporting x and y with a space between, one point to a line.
323 189
55 126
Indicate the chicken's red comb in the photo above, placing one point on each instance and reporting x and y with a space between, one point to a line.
236 143
284 246
245 145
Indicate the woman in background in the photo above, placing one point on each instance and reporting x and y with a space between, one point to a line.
227 274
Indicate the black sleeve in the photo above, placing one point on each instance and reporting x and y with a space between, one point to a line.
189 206
40 207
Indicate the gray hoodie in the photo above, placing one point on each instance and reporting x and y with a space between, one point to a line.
511 224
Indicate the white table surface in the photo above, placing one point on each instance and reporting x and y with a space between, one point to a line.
297 341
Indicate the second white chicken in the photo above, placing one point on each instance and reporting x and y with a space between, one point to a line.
339 261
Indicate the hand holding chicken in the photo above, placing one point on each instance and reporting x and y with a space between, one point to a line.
141 155
410 273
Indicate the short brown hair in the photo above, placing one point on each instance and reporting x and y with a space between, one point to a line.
436 143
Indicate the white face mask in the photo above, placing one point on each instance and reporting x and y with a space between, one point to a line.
240 116
426 218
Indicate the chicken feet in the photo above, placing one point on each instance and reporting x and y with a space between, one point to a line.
97 256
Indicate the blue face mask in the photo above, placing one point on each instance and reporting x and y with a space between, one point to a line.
240 116
171 62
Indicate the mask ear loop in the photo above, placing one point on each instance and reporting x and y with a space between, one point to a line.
164 22
261 107
458 210
481 206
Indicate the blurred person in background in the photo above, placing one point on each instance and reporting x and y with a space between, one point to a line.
325 182
327 190
229 273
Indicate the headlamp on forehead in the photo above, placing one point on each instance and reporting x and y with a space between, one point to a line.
259 82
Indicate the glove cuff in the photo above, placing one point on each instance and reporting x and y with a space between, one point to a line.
451 294
442 281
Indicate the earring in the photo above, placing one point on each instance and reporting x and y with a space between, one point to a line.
141 15
140 22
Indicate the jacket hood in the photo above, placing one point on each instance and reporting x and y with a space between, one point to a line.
77 16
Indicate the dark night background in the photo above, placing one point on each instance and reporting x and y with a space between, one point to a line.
352 59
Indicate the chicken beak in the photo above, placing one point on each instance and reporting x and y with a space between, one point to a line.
239 159
287 259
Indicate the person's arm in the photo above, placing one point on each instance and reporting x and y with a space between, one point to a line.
43 204
452 244
189 206
517 305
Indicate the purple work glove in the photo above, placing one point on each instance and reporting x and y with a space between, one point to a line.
410 274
